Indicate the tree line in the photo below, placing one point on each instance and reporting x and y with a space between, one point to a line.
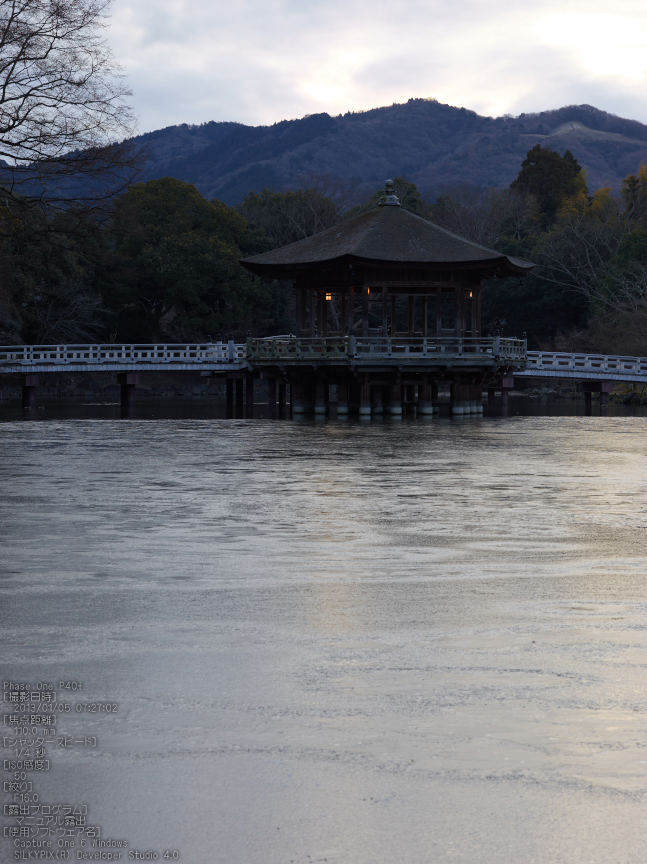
588 291
165 267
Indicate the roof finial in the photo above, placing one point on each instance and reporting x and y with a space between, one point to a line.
389 197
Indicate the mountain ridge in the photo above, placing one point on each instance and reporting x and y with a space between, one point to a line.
434 145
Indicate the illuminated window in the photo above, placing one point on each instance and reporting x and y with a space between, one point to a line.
328 296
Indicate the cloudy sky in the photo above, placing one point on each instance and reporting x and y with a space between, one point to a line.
261 61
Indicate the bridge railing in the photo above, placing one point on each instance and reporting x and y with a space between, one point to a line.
71 355
560 361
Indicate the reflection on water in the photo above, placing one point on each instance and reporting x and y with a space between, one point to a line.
205 409
413 641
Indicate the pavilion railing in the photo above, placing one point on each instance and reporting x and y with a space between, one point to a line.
433 347
296 348
386 347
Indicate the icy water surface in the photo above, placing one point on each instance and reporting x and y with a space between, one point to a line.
357 644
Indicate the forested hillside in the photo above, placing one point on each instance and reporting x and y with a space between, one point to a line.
435 146
165 268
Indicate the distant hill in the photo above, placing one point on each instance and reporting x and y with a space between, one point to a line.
436 146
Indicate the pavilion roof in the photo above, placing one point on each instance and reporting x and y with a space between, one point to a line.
383 235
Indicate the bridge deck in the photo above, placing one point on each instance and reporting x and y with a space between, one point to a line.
291 352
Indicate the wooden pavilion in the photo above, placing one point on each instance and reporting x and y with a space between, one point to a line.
385 290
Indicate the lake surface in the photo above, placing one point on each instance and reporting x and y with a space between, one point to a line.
356 643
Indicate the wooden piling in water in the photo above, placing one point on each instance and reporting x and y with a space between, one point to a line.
249 397
229 398
239 401
29 389
271 398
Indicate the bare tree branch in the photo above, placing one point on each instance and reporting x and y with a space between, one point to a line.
63 105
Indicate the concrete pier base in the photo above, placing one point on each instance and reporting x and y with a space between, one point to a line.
590 387
128 382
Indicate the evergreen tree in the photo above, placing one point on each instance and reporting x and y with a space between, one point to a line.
551 178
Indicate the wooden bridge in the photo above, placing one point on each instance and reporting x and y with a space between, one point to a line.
314 364
355 351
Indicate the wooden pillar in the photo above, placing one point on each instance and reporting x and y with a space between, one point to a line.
405 397
321 388
353 396
425 317
365 397
350 311
342 399
459 318
477 399
476 312
322 313
238 387
587 403
439 313
343 315
298 406
271 398
249 397
29 387
434 395
507 383
395 407
377 406
394 314
281 400
457 398
299 310
365 310
411 320
313 312
384 315
468 400
229 398
308 397
425 401
491 399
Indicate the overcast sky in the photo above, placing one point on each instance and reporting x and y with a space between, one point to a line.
261 61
